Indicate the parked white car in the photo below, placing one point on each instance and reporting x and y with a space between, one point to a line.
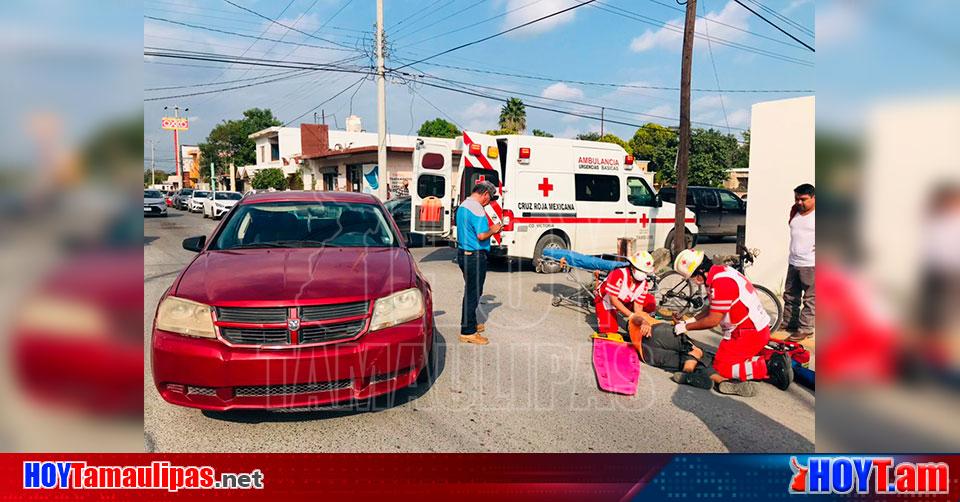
195 202
216 207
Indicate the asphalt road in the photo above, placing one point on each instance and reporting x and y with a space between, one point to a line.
531 390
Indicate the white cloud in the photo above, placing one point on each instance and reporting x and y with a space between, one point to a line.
561 90
527 11
660 111
671 36
480 116
794 5
740 119
838 23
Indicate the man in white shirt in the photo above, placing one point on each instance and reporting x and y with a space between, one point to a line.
800 287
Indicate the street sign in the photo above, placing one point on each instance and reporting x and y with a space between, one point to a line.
174 123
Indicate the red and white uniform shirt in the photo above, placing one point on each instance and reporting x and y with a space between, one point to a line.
622 285
733 295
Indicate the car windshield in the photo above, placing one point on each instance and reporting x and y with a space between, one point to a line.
199 194
186 191
305 224
228 196
152 194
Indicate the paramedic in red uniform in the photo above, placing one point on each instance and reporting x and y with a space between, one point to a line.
626 291
736 308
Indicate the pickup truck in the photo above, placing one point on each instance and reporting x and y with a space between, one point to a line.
718 211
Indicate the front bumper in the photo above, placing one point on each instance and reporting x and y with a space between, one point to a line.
207 374
154 210
220 211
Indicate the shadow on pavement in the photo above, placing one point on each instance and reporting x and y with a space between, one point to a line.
737 425
440 254
428 376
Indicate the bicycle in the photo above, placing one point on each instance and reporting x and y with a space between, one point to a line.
770 301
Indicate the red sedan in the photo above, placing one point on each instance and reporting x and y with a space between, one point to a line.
298 299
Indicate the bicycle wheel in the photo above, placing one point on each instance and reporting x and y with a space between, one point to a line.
771 303
674 293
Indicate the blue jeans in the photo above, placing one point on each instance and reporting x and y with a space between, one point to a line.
474 269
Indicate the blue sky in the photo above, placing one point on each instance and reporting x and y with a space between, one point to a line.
587 44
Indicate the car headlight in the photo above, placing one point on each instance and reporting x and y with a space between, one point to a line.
185 317
397 308
67 317
220 205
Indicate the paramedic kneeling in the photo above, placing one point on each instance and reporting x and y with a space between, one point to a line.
473 243
626 291
735 306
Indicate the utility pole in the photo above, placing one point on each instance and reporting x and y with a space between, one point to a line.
213 182
323 116
683 149
601 121
153 164
381 108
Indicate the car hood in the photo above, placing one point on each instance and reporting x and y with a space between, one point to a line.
267 277
151 200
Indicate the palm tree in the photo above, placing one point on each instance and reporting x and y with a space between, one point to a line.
513 116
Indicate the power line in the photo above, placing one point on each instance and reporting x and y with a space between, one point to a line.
227 32
331 98
397 26
438 21
716 74
220 82
785 19
771 23
504 32
667 26
414 91
474 24
291 28
200 93
608 84
568 101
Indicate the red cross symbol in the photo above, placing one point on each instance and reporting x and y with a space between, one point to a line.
644 220
479 180
545 187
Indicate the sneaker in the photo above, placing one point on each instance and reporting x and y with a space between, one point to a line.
779 371
697 379
475 339
737 388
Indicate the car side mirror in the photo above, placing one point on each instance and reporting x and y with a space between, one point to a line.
195 244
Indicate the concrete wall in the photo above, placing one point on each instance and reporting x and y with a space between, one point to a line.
782 150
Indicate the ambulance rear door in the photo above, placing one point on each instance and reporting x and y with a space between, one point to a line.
430 195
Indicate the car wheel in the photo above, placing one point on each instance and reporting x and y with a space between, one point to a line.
549 241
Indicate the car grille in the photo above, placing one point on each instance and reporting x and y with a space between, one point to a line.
331 332
285 390
335 311
255 336
275 315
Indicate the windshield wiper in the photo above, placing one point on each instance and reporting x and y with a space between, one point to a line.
281 244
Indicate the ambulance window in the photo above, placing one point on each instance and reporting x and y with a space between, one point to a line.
640 194
432 161
597 188
474 175
429 185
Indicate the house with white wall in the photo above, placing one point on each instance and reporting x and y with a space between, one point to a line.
276 147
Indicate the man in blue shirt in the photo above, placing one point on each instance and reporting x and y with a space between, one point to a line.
473 243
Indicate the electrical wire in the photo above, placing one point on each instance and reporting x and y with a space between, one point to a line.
331 98
716 74
504 32
775 25
278 23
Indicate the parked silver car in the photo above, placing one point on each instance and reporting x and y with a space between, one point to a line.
154 203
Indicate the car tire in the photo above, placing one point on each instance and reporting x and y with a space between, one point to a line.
547 241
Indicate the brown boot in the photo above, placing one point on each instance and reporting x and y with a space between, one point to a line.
474 338
481 328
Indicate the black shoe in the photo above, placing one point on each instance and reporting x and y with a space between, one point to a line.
698 378
779 371
737 388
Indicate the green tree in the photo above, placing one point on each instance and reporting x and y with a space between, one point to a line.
295 181
499 132
589 136
228 141
741 159
711 156
658 145
613 138
542 134
513 116
269 178
438 128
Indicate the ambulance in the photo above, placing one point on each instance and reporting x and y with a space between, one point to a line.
554 193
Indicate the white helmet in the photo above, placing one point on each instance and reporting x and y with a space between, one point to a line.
687 262
642 261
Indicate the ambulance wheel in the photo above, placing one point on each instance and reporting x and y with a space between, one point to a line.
548 241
